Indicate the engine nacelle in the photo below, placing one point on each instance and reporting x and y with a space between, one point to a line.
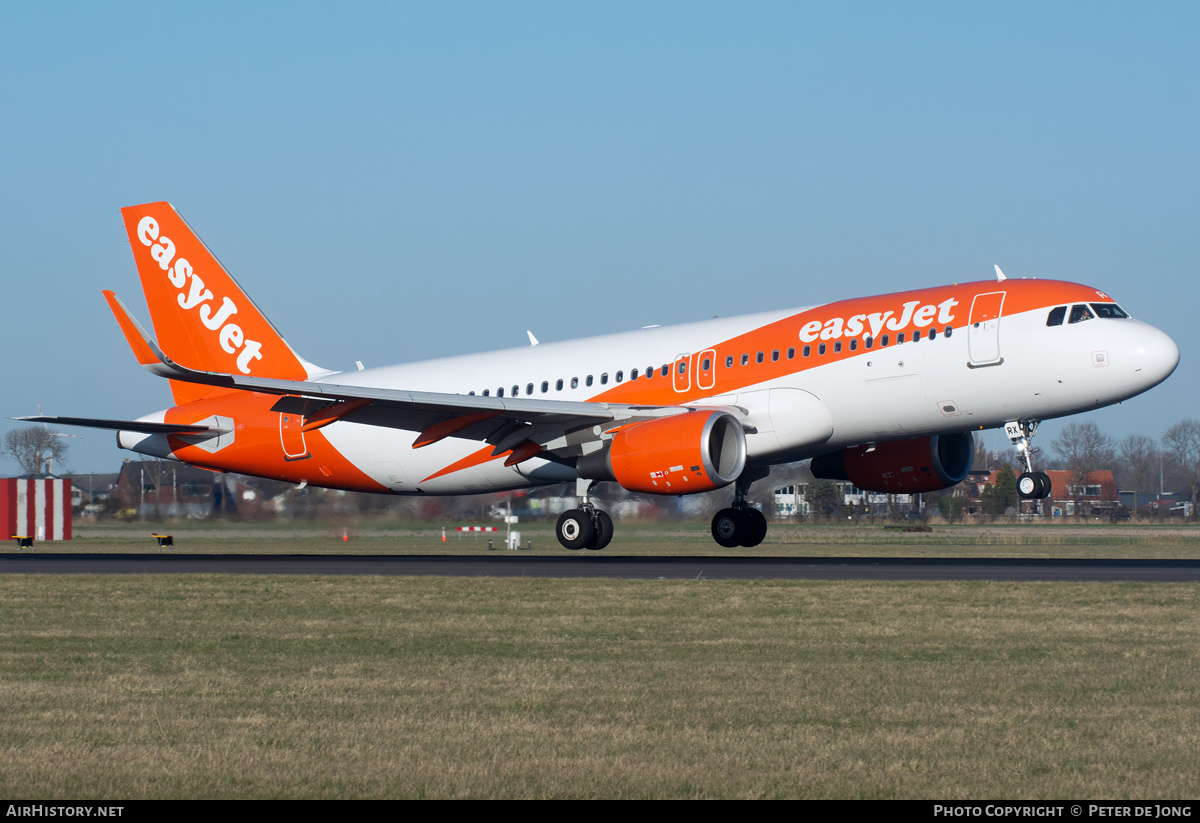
683 454
923 464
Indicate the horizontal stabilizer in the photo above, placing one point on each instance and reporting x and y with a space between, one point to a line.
143 426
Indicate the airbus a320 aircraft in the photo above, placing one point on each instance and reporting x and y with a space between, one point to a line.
882 391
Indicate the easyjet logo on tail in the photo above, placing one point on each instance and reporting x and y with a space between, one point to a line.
193 295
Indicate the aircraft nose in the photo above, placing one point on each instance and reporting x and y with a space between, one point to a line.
1155 355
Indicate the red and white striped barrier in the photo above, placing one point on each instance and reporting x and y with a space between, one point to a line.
40 509
478 528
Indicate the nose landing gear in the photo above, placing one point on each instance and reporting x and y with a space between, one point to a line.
1031 485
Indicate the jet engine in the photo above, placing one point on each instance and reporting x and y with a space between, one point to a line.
687 453
922 464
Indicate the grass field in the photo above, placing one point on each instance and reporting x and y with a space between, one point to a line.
214 686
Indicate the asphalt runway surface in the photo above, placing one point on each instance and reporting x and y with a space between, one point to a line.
585 564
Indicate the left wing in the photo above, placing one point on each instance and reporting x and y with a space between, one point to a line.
527 427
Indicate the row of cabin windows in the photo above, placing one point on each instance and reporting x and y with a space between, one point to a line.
868 342
619 377
706 363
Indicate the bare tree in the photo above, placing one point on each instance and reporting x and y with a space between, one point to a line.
1084 449
1182 441
1138 454
36 449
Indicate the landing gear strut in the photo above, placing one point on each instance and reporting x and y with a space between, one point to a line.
1031 485
741 524
586 527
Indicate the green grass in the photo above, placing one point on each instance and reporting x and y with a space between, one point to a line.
239 686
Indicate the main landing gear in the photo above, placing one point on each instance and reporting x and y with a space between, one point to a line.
741 524
1031 485
586 527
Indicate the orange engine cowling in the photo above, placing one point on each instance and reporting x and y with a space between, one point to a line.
683 454
923 464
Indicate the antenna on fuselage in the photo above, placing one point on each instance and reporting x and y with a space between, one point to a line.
533 341
1000 274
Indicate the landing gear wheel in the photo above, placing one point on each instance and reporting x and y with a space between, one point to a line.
575 530
604 531
727 527
754 529
1047 487
1030 485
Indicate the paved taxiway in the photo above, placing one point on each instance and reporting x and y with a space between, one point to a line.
589 565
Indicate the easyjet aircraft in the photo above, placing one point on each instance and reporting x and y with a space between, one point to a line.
882 391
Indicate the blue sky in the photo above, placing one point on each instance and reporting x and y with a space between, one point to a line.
393 182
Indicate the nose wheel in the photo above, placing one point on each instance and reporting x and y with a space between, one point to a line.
1031 485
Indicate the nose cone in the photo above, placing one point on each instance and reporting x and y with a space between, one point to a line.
1155 355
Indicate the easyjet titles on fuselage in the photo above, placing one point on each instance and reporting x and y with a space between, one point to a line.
229 335
872 325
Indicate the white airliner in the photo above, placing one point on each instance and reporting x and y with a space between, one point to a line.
882 391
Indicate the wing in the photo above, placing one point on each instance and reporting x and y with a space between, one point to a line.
528 427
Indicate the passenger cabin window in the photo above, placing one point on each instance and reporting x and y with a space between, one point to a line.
633 373
774 355
1109 311
558 384
500 392
1080 313
949 331
837 347
758 358
745 359
883 341
485 392
900 338
589 380
853 344
705 365
807 351
516 391
791 353
604 378
869 342
933 334
1056 316
529 388
729 362
917 336
682 368
620 376
574 382
545 386
821 349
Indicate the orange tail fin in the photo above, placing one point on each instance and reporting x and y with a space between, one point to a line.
202 318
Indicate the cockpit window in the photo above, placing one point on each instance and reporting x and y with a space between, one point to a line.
1109 311
1080 313
1056 316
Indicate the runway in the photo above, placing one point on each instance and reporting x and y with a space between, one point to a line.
585 565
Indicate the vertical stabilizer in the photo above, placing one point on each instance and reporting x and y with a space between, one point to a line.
202 317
